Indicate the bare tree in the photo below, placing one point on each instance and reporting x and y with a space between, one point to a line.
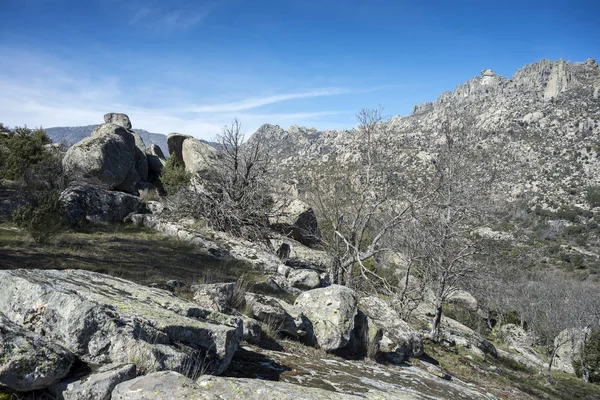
234 195
359 202
445 237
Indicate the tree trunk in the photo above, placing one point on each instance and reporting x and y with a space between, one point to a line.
437 320
549 372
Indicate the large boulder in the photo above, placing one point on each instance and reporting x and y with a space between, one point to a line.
281 316
568 346
96 386
305 279
118 119
214 296
513 335
199 158
105 159
103 319
97 205
331 311
175 144
156 162
141 161
171 385
297 220
29 361
398 337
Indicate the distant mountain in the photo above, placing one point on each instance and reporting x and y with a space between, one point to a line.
69 135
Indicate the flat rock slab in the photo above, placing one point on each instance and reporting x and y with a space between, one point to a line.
171 385
29 361
96 386
161 386
103 319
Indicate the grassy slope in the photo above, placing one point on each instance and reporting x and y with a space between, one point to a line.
146 257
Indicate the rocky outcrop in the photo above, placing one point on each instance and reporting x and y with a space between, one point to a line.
279 315
118 119
102 319
199 158
29 361
96 386
97 205
568 346
304 279
214 296
156 162
398 338
331 311
512 335
141 160
297 220
175 144
106 159
163 385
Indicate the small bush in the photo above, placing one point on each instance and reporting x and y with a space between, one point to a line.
21 151
45 220
593 196
174 177
590 358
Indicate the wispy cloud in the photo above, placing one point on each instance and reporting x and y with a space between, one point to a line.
252 103
47 91
169 16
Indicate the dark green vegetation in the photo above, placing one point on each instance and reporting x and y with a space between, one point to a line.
174 177
43 221
508 379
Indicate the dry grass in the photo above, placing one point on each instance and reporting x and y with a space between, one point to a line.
134 253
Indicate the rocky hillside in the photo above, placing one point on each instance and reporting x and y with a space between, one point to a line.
547 119
69 135
550 111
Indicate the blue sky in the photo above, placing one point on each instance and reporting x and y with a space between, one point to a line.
191 66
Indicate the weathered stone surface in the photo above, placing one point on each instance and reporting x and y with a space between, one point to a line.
298 221
170 385
463 299
282 316
305 279
102 319
568 343
97 205
512 335
105 159
96 386
118 119
215 296
241 388
252 329
199 158
175 143
161 386
398 336
156 161
141 161
29 361
331 311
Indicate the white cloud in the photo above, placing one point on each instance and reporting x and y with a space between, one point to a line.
249 104
45 91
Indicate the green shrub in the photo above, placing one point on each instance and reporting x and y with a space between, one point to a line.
591 358
174 176
43 221
21 151
593 196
